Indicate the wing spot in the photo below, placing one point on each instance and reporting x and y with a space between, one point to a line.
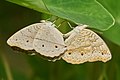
27 41
82 54
65 46
56 46
42 45
102 53
16 39
69 53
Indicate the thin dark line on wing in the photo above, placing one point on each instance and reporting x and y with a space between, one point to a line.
29 30
49 41
42 39
21 32
26 35
37 27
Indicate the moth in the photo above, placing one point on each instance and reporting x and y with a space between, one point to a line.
42 38
84 45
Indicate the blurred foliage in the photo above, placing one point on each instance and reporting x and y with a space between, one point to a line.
20 66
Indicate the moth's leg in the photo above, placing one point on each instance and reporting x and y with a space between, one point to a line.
67 34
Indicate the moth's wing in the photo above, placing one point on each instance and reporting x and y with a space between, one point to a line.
23 39
85 46
49 42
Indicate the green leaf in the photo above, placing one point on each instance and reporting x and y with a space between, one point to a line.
88 12
113 33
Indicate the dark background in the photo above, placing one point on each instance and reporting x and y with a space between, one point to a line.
20 66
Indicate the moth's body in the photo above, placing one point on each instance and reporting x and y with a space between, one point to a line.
84 45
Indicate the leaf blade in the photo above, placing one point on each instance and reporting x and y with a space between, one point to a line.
84 12
88 12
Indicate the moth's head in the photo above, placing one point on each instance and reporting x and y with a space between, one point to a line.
42 21
79 28
50 24
45 21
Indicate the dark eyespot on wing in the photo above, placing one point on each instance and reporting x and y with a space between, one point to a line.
42 45
69 53
56 46
27 41
102 53
81 54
